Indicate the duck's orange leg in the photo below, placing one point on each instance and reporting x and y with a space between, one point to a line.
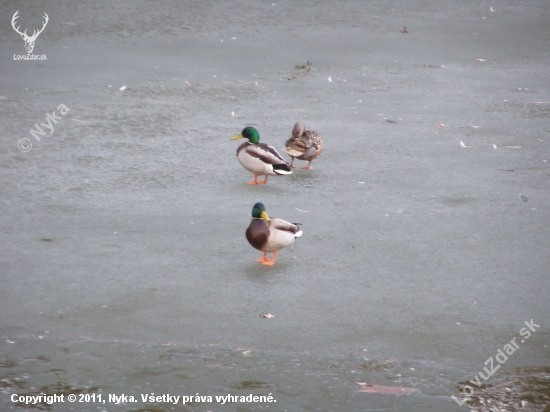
255 181
308 167
263 182
262 260
266 261
291 163
272 261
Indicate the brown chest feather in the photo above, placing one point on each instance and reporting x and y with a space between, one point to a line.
257 233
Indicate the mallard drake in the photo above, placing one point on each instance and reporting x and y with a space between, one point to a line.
270 234
304 145
260 158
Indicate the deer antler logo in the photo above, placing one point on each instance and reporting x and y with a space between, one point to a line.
29 40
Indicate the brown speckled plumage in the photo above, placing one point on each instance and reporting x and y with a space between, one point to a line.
304 144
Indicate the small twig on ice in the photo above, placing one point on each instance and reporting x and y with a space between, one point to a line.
308 66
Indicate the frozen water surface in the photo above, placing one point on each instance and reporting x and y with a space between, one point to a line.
124 265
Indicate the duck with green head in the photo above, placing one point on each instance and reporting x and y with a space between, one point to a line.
270 235
259 158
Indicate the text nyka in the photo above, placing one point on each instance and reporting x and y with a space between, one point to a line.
51 118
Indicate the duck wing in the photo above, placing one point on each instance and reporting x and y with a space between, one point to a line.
265 153
283 225
295 146
314 144
281 234
311 150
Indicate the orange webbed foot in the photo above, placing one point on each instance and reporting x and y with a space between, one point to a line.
265 261
254 182
262 260
263 182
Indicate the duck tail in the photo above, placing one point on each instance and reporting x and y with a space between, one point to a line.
282 169
299 232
